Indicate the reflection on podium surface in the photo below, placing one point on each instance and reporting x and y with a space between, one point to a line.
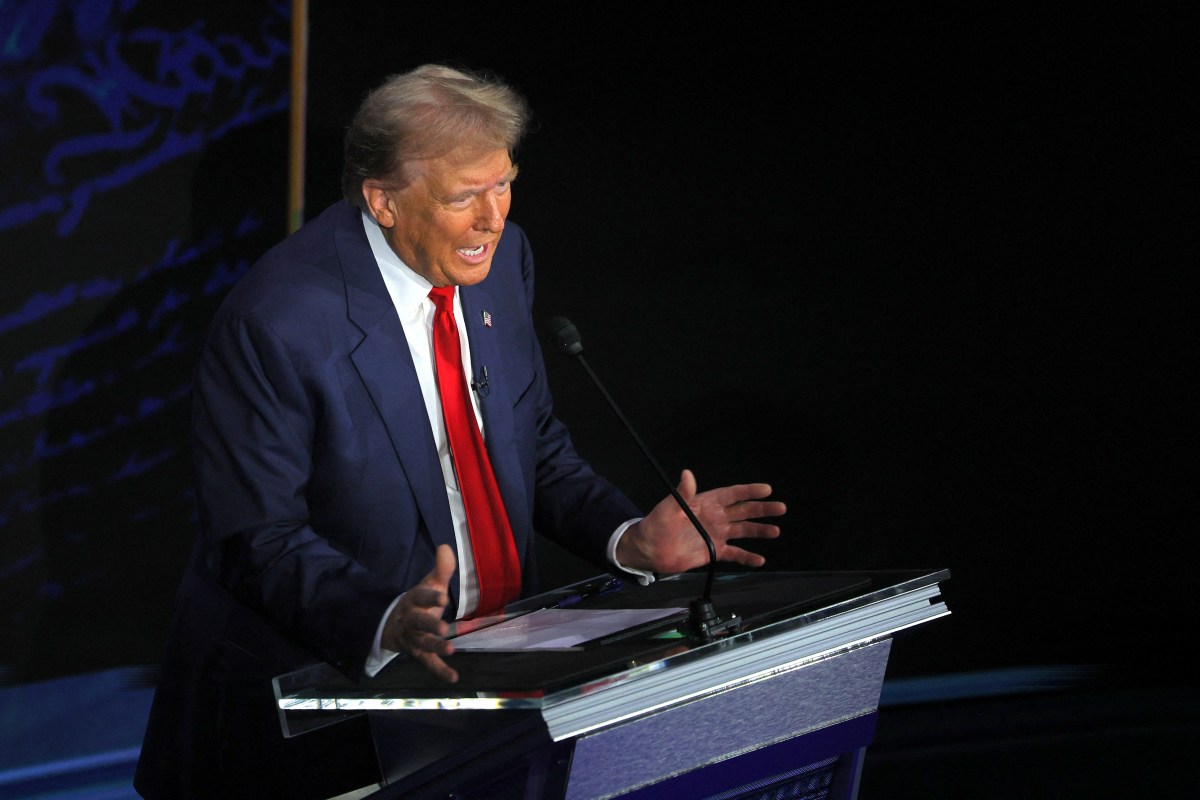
797 682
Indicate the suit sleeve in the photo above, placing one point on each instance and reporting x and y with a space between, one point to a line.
253 431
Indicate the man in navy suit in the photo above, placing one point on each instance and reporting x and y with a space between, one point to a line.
332 526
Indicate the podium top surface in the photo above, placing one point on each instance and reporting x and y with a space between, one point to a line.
786 618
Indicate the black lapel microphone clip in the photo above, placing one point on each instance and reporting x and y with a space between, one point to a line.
481 386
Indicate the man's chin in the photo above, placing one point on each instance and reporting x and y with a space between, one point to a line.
469 276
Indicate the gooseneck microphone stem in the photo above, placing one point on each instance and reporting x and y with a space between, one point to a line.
712 550
703 620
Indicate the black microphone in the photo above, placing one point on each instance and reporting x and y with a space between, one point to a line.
703 620
482 387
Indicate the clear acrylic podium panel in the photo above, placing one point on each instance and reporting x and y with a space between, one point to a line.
787 620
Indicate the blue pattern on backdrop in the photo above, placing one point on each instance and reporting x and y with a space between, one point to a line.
152 96
143 162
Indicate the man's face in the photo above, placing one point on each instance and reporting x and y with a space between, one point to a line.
447 221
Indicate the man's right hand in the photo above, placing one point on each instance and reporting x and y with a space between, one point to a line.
417 627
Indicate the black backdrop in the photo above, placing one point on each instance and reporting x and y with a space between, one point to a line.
922 271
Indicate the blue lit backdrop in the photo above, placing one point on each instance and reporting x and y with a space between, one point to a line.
143 148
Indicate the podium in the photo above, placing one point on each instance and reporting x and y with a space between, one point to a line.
782 705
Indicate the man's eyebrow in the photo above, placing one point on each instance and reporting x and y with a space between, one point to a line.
508 177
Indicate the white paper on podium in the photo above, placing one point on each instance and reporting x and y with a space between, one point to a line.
558 628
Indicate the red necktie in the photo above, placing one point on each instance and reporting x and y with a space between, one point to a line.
496 565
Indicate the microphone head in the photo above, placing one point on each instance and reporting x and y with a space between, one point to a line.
565 336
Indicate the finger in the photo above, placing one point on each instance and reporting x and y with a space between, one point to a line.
687 486
736 555
426 597
739 493
752 530
753 509
444 565
433 590
443 568
427 642
419 623
424 639
438 667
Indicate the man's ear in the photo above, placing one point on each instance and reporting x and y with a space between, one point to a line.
379 203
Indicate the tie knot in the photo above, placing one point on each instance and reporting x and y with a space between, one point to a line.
442 297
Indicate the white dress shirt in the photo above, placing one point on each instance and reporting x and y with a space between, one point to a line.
410 294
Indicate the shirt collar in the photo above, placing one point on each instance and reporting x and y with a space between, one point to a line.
407 288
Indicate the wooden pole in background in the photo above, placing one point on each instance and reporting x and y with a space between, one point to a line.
296 114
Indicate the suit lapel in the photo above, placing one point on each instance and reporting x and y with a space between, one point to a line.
496 407
386 368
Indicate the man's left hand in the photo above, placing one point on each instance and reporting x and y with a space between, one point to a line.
666 541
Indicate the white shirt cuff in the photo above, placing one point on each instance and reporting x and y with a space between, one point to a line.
379 657
643 577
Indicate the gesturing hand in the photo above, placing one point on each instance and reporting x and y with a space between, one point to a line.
666 541
417 627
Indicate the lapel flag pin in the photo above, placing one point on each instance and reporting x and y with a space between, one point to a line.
487 319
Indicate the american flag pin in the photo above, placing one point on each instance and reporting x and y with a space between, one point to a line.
487 319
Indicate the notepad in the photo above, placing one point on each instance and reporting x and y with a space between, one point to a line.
558 628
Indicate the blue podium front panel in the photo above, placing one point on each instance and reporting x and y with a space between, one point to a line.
717 727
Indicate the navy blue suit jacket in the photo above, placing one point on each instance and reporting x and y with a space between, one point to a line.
318 483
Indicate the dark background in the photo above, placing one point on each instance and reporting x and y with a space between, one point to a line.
922 272
925 272
143 149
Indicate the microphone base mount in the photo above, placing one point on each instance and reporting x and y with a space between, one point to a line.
705 623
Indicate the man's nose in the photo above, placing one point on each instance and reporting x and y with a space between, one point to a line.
491 215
